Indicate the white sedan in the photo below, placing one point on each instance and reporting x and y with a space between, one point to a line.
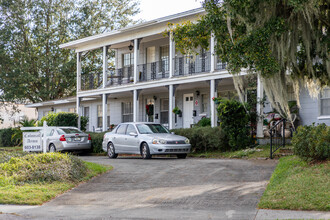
144 138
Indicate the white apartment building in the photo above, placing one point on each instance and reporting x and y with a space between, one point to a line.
151 78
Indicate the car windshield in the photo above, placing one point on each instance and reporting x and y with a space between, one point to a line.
70 131
151 128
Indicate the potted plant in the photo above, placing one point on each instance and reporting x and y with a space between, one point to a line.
177 111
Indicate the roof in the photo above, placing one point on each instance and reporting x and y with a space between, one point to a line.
76 43
71 99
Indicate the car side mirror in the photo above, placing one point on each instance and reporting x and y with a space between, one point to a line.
133 134
172 132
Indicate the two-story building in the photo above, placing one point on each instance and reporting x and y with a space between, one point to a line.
151 78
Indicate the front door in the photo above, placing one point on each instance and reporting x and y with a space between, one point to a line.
188 106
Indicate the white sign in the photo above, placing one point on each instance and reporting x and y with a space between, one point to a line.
32 141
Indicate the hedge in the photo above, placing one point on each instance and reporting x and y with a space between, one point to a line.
64 119
97 139
204 139
6 137
312 143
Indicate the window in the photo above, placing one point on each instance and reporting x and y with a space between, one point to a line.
86 114
151 54
121 129
232 94
164 111
99 116
325 102
127 112
128 59
204 102
72 110
291 96
164 58
130 128
151 128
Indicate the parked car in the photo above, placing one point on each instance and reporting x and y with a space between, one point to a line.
67 139
144 138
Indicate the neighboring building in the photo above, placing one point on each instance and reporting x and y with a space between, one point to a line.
11 114
151 78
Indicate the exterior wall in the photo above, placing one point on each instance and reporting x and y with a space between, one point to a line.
310 110
11 117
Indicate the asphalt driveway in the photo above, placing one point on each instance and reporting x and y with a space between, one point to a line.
163 188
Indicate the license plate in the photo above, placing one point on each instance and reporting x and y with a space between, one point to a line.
77 139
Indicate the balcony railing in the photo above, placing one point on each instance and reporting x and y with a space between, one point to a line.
189 65
220 65
91 80
120 76
153 71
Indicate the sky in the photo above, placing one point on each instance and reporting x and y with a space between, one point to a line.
152 9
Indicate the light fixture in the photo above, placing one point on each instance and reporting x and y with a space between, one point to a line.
130 47
52 109
155 98
197 92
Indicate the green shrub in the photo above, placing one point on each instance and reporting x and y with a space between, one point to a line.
64 119
204 139
42 167
97 139
312 143
5 137
234 121
204 122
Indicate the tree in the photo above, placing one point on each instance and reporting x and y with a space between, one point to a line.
32 66
281 41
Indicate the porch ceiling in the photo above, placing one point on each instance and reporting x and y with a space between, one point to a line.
144 40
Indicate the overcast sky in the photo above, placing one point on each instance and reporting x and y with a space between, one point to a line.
151 9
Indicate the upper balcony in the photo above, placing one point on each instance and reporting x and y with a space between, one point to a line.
154 62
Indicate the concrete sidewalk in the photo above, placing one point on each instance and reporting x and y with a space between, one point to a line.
267 214
8 212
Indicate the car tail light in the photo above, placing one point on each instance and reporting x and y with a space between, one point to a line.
89 137
62 138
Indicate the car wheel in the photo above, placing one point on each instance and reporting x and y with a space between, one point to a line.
145 152
181 156
52 148
111 151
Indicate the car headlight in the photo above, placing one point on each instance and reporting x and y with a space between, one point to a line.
187 141
158 141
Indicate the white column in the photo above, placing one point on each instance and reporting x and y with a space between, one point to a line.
212 105
136 54
105 66
260 96
78 72
170 107
212 47
172 51
135 105
104 112
78 109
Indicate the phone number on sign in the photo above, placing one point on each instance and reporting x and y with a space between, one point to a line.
32 147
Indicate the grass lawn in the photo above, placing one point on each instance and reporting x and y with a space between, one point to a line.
297 185
38 193
257 152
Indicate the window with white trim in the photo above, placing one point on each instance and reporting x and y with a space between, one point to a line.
127 111
204 103
128 59
325 102
99 116
164 103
